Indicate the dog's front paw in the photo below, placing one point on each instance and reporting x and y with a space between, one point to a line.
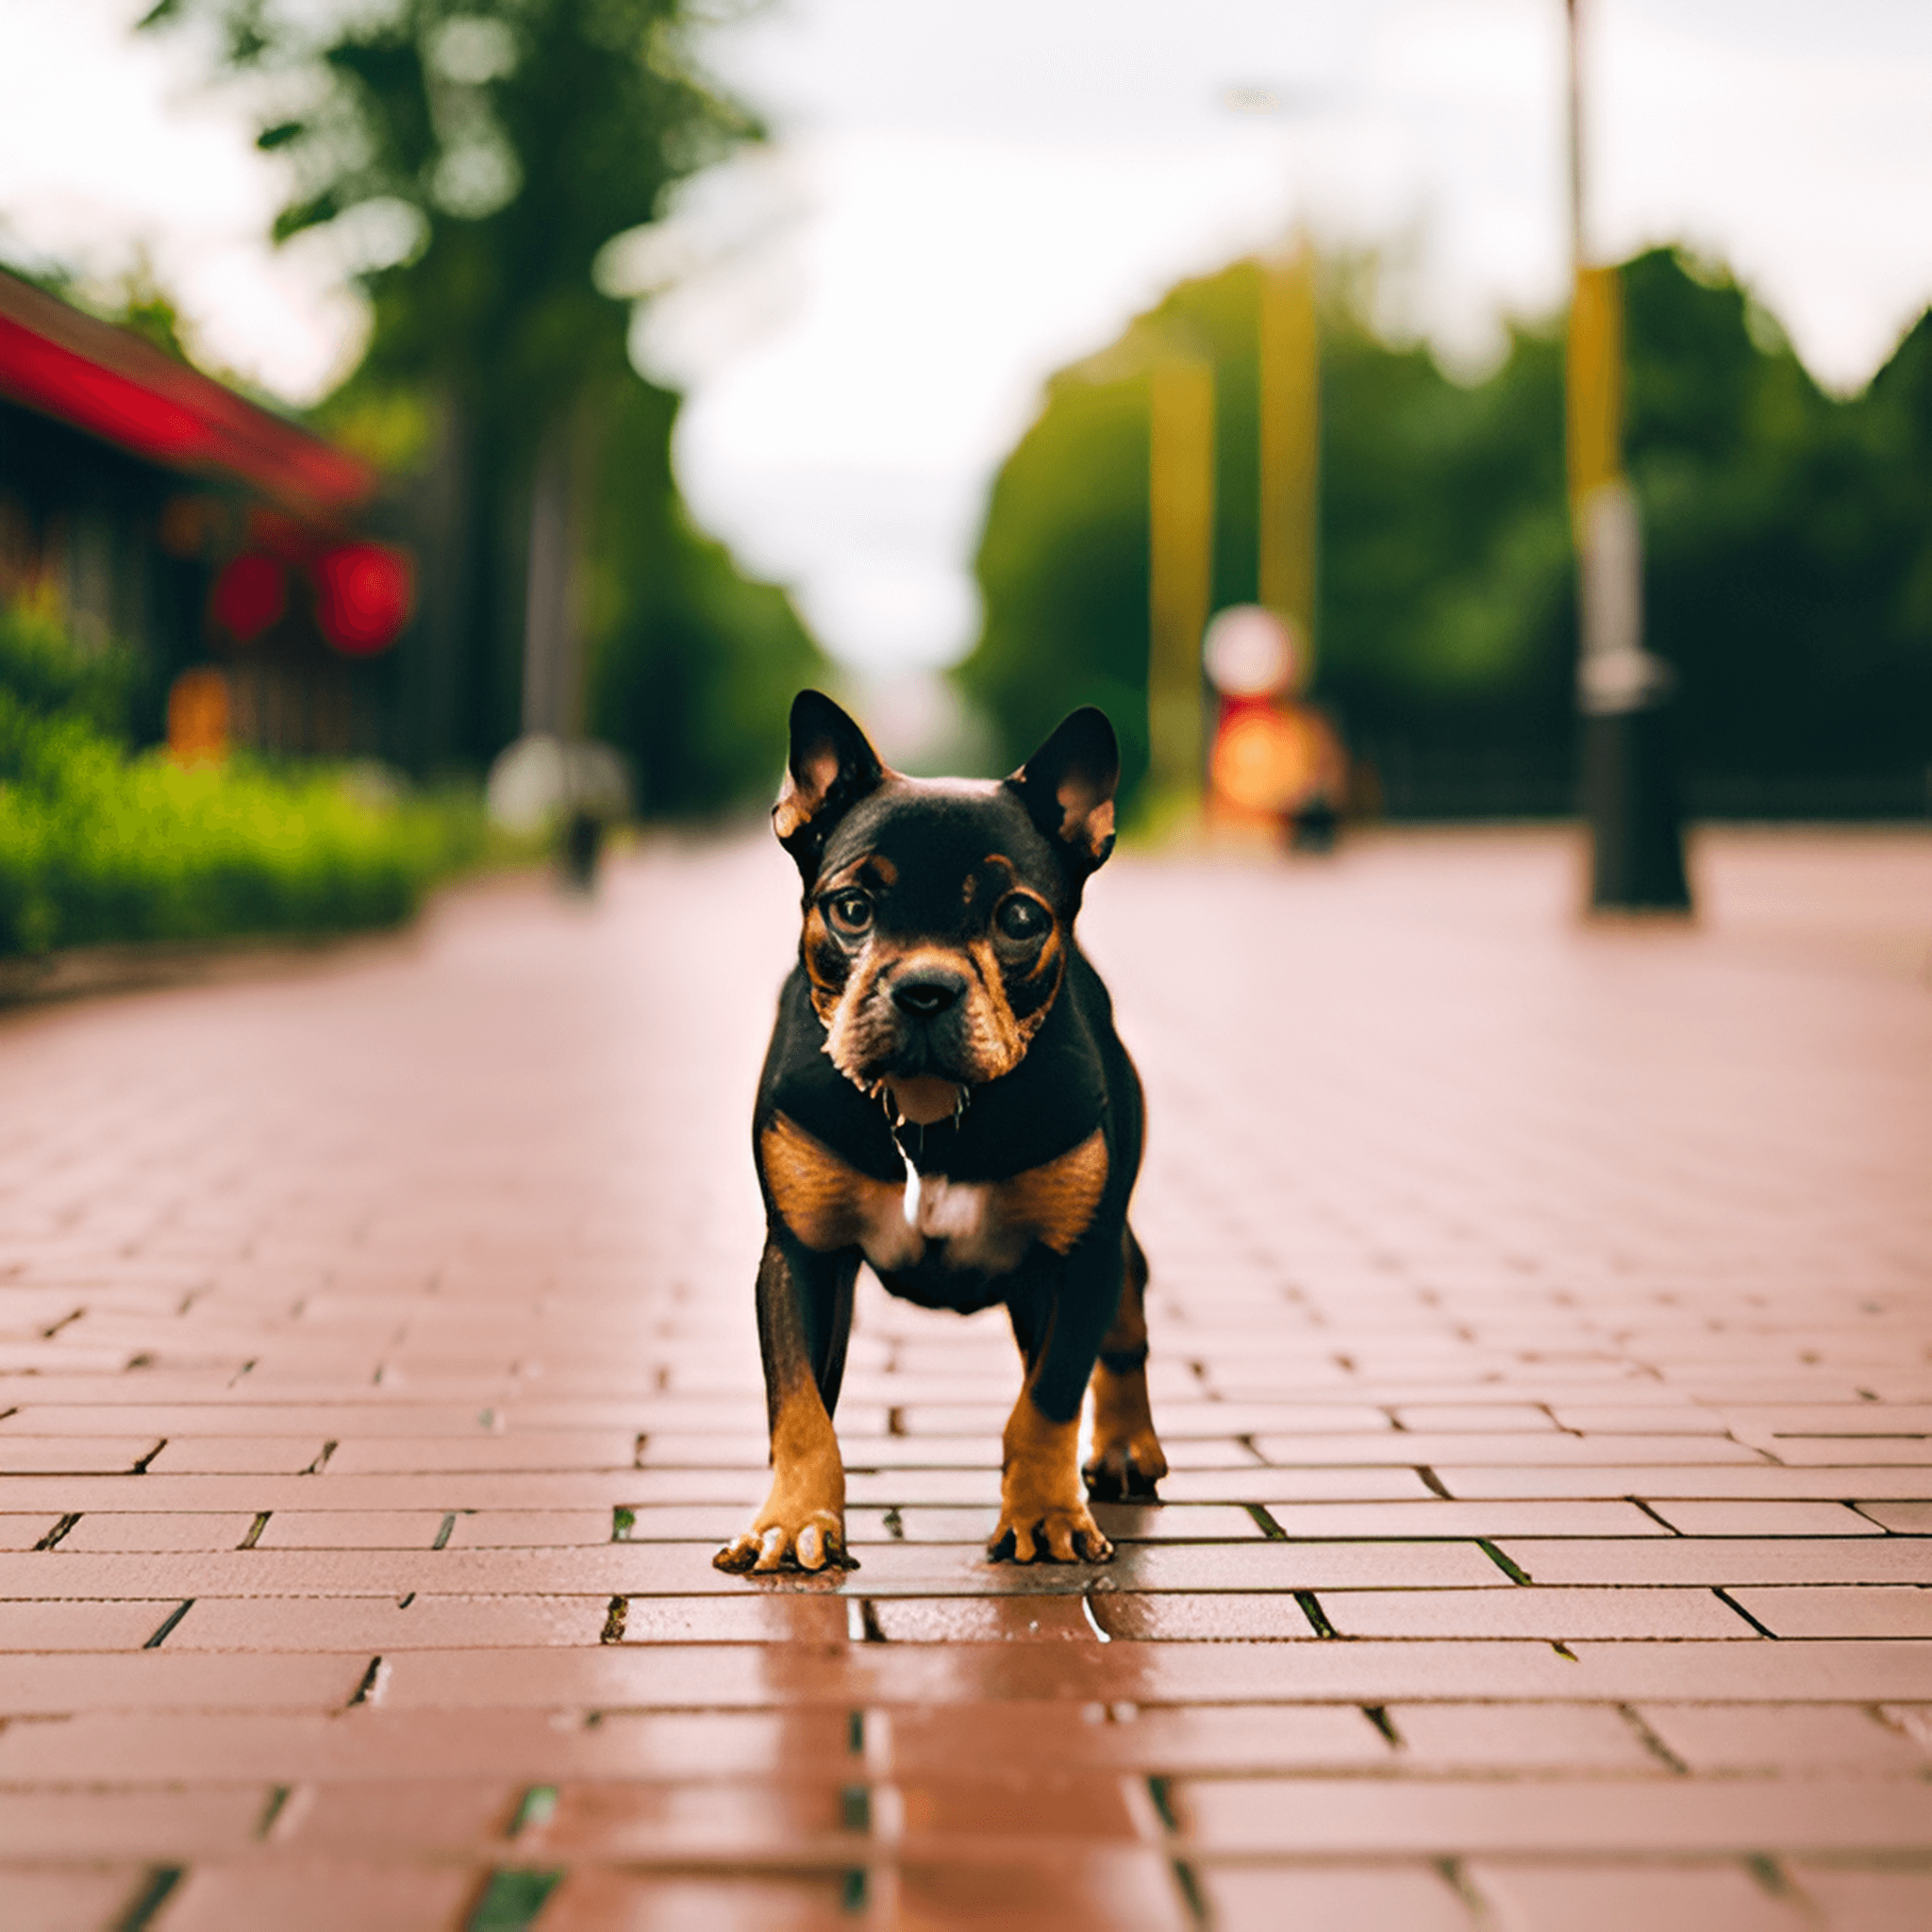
1126 1469
815 1543
1062 1535
1043 1517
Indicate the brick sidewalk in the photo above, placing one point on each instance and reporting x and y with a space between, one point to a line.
1541 1343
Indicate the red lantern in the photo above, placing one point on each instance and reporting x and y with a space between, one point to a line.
250 596
364 595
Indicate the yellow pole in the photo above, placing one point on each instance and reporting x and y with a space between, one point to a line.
1593 381
1627 782
1291 422
1181 564
1594 361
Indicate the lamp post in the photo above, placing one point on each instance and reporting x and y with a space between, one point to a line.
1623 691
1290 380
1181 565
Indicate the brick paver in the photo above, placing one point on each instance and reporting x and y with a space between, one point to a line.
1540 1342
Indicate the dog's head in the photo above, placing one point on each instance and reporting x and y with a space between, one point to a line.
939 913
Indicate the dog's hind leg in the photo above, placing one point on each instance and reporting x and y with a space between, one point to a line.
805 1319
1127 1461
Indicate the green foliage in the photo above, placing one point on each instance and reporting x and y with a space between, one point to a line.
144 306
46 675
1064 570
1785 533
1446 593
507 140
513 1900
96 846
1789 549
696 682
493 148
693 668
522 135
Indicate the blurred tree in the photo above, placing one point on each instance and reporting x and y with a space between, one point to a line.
473 158
694 666
1789 541
1063 568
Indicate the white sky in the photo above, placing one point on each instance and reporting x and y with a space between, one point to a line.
966 193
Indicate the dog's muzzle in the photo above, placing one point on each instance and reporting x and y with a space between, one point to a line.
928 1008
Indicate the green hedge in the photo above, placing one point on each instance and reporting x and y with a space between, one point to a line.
97 845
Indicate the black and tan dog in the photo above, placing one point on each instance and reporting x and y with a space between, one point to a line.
945 1098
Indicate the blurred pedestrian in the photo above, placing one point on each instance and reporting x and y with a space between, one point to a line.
1276 761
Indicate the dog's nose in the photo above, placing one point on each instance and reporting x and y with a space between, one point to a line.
928 995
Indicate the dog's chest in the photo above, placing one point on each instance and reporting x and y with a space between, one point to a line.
984 1226
968 1217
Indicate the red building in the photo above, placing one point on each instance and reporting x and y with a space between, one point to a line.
159 509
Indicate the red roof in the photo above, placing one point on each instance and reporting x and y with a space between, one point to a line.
113 385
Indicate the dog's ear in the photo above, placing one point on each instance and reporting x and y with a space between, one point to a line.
831 767
1068 786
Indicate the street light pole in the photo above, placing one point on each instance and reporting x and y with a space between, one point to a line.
1623 691
1290 439
1181 569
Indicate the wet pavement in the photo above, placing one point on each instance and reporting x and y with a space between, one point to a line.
1541 1343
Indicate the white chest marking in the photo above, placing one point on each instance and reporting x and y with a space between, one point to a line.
963 1214
943 1209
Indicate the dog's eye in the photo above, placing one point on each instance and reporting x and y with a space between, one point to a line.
1024 919
851 911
